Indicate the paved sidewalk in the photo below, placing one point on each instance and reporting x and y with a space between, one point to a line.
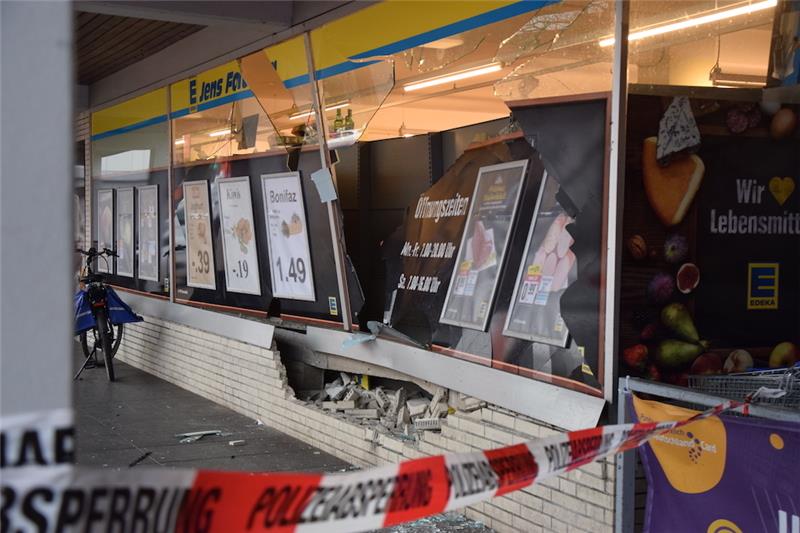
132 423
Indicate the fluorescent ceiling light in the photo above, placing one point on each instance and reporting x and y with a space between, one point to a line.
332 107
725 79
219 133
179 142
695 21
456 76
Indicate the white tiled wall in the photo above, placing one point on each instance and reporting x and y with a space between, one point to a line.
252 381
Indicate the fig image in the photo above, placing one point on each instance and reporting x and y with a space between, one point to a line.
738 361
675 249
635 356
677 318
637 247
661 288
784 354
708 363
688 278
675 354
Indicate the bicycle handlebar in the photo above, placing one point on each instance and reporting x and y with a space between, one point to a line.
92 252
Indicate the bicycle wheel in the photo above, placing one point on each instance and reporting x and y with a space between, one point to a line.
90 341
116 335
106 341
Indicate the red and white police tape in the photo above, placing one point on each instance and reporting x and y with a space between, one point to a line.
42 491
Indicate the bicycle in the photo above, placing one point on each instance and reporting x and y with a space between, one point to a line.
99 315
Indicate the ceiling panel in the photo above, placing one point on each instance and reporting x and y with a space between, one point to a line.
105 44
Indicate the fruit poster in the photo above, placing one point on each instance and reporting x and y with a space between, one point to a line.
287 237
725 474
124 229
711 271
147 210
547 269
105 228
238 236
199 245
483 245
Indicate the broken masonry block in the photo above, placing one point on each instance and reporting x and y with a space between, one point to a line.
350 395
340 405
428 424
362 413
417 407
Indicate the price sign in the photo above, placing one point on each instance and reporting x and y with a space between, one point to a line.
124 228
287 236
105 228
238 236
200 270
148 232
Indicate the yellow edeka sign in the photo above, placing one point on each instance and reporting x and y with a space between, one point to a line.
762 285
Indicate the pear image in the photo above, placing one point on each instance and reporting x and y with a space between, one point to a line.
675 354
677 318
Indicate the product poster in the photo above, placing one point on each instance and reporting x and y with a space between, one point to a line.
124 229
547 269
287 236
710 281
238 237
483 245
199 246
105 228
148 232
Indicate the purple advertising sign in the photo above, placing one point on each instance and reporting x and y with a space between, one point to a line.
720 475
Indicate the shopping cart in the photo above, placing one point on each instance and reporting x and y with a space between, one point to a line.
738 386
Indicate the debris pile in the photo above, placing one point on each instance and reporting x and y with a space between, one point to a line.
395 410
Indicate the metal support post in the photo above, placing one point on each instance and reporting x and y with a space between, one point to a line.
626 462
334 210
170 185
616 194
625 479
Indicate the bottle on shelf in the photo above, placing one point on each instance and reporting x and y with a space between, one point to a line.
338 123
349 124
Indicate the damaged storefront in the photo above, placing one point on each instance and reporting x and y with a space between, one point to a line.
458 230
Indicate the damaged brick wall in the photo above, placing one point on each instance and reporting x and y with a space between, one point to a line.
252 381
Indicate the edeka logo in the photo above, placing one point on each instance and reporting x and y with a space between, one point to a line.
762 285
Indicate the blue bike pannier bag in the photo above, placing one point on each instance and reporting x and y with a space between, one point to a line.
84 319
118 311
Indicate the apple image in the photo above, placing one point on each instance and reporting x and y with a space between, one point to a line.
784 354
707 363
738 361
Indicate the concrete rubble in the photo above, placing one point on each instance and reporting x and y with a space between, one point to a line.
401 411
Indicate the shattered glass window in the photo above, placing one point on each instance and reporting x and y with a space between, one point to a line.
556 52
